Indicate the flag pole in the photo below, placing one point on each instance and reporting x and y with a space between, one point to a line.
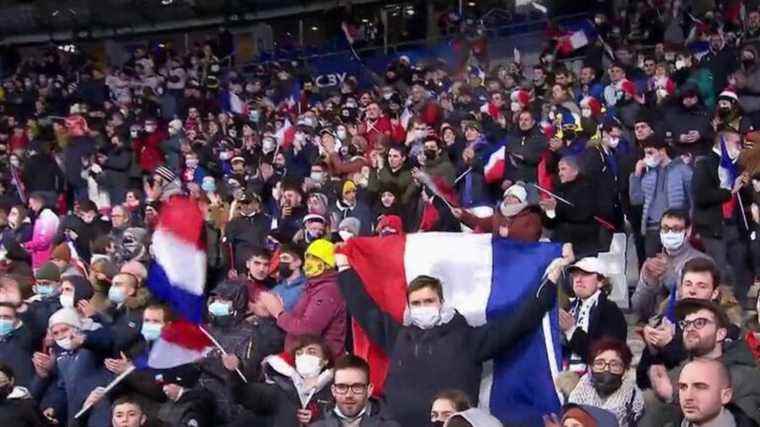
219 346
741 209
108 388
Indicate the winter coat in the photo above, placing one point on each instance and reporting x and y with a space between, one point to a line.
116 168
399 182
525 226
125 321
575 224
605 320
320 311
608 172
447 356
172 153
360 211
249 231
680 120
442 167
376 416
193 409
283 393
45 228
709 199
147 148
52 180
20 411
16 350
678 189
523 155
78 147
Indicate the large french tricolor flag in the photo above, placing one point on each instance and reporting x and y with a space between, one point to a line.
483 277
177 276
493 170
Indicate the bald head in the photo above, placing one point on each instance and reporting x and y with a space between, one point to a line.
704 388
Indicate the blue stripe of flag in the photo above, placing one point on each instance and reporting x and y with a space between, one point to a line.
523 389
185 304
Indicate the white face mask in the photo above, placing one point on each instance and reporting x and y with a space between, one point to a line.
341 133
67 300
680 64
345 235
268 145
586 112
65 343
425 317
756 185
317 176
300 137
672 240
420 134
651 161
613 141
515 107
308 366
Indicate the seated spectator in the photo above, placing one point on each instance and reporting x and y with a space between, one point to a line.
473 417
592 316
17 407
320 310
662 273
445 404
582 416
351 390
440 330
610 384
297 385
17 344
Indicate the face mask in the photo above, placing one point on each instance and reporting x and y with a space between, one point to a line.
345 235
219 309
133 133
67 300
313 267
756 185
430 154
284 270
151 331
192 164
44 290
117 295
651 161
680 64
341 133
312 236
672 240
254 116
613 141
387 95
225 155
515 107
6 326
15 162
317 176
425 317
65 343
605 383
308 366
150 129
208 186
268 145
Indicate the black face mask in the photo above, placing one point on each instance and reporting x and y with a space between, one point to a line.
723 113
430 154
285 270
605 383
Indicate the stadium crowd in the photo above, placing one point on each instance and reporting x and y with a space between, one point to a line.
660 146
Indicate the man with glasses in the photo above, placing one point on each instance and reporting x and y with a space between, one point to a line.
352 390
705 331
661 274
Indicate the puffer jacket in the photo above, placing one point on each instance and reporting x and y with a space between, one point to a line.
45 228
16 349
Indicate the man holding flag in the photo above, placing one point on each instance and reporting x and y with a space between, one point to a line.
718 210
434 348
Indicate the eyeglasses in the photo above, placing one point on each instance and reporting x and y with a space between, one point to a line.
614 366
666 229
357 388
698 323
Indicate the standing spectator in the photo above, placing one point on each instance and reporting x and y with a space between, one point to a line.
17 344
525 149
17 408
291 278
250 227
81 146
45 227
147 147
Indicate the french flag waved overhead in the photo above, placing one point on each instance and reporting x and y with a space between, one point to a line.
484 277
178 277
579 34
494 168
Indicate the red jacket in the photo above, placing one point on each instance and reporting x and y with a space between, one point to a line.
320 311
148 150
374 131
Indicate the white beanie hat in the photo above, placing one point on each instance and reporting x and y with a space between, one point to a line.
518 191
67 316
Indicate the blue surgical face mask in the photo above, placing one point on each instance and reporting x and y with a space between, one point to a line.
117 295
6 326
44 290
219 309
208 186
151 331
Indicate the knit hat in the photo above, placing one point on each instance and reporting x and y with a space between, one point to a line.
520 96
324 250
590 416
392 223
348 186
477 417
61 252
350 224
729 95
473 124
165 173
322 200
592 104
48 271
314 217
66 316
518 191
628 87
82 287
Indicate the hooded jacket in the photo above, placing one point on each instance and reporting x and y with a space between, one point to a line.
283 393
45 227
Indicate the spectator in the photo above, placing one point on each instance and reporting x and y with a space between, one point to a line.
320 310
351 390
126 412
515 218
350 205
291 277
17 407
592 315
610 385
17 344
446 403
525 156
249 228
45 227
